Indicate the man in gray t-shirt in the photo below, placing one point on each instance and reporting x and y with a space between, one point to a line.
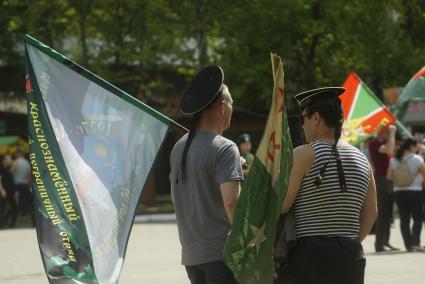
205 176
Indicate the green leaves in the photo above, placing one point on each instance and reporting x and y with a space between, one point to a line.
151 48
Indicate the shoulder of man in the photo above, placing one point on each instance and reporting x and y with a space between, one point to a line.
374 142
181 141
224 143
304 152
178 147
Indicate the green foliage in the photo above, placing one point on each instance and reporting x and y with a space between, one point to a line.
152 48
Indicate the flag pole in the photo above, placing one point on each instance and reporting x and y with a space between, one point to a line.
178 126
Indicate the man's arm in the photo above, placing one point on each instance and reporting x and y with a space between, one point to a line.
422 170
390 174
369 210
302 161
388 148
230 194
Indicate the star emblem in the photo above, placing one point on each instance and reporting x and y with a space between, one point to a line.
272 147
258 237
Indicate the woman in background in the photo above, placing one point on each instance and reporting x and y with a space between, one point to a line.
407 170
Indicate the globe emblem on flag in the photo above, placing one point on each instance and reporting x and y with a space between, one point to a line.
105 154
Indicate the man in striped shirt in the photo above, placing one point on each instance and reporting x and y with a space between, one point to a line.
332 190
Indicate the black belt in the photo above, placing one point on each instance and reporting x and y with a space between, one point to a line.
316 239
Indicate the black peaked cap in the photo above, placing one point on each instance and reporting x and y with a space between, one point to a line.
307 97
203 89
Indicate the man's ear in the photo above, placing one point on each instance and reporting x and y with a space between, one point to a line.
316 118
221 107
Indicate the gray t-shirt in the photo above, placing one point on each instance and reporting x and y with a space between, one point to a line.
201 218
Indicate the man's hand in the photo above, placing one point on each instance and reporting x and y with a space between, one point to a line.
244 163
392 129
388 148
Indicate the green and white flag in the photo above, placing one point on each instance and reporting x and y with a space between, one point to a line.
249 247
91 149
413 92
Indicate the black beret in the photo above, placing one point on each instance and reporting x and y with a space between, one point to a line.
203 89
307 97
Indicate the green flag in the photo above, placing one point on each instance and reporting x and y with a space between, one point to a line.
364 112
249 248
91 149
414 91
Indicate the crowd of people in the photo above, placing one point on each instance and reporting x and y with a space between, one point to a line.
399 171
334 191
15 189
207 170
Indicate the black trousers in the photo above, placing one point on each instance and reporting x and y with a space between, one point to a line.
327 261
215 272
384 192
2 207
12 211
26 205
409 204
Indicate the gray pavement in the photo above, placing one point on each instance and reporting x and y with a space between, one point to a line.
153 257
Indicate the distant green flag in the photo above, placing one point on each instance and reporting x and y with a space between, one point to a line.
249 247
414 91
91 149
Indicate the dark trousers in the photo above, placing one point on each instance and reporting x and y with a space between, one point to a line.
26 205
2 207
333 261
409 204
384 192
12 210
210 273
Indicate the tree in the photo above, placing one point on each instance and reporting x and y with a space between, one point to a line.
153 48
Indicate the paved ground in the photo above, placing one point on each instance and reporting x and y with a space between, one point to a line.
154 253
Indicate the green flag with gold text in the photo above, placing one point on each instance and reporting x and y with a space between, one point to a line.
92 147
249 248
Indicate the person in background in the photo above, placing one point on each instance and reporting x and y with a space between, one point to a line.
8 186
422 154
21 171
381 148
245 147
205 179
3 195
421 148
408 191
332 191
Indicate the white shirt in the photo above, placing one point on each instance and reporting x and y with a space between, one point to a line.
413 162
